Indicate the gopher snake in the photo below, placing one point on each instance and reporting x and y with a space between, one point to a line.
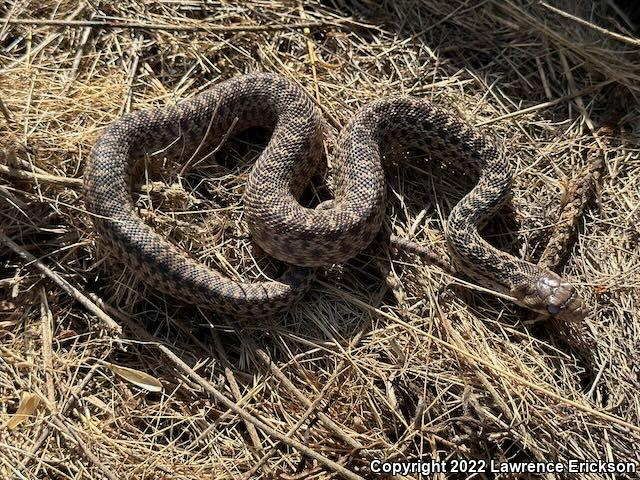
300 236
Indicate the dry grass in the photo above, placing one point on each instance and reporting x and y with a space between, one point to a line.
385 358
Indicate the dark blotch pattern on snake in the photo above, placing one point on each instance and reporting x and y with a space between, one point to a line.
297 235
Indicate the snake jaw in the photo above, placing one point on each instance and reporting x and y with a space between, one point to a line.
554 297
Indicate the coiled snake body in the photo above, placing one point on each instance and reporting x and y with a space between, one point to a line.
305 237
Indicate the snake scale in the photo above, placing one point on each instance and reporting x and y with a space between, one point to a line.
304 237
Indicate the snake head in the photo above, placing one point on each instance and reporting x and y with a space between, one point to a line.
550 295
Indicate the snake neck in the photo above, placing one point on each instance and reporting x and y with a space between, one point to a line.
401 122
472 254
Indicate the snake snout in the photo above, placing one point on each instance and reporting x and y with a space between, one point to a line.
559 298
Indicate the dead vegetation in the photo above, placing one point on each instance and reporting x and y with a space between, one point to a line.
386 357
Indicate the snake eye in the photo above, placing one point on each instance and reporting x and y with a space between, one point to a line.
553 309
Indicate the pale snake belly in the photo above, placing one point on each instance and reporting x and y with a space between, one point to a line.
278 223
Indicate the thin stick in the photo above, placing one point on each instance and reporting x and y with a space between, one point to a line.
71 433
44 178
108 322
327 421
131 74
5 111
46 319
166 27
78 58
235 390
616 36
551 103
311 406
